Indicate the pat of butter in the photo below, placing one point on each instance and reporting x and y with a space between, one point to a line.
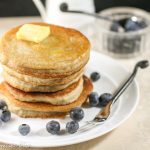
33 33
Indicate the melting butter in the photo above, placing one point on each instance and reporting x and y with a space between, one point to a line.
33 33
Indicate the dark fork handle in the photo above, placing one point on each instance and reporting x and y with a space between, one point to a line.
106 110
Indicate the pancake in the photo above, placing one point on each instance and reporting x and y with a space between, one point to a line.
63 97
64 52
43 110
40 81
27 87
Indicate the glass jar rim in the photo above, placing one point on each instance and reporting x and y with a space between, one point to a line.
135 11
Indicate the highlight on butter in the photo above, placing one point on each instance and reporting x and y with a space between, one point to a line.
33 33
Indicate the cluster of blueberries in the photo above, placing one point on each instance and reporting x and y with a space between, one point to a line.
94 98
76 114
129 24
53 127
123 43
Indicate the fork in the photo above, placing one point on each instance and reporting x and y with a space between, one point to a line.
104 114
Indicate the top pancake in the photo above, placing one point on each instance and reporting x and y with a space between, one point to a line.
63 51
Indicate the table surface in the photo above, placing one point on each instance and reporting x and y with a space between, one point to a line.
134 134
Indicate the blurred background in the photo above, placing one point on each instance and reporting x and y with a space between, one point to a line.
130 38
27 8
127 46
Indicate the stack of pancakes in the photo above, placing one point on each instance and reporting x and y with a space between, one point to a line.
45 79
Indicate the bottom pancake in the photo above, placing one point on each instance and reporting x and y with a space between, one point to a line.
43 110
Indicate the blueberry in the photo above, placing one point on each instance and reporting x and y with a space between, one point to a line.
3 105
53 127
114 27
142 24
118 25
77 114
64 7
93 99
95 76
122 22
24 129
5 115
104 99
131 26
72 127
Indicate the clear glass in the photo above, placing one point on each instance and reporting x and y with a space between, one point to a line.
123 44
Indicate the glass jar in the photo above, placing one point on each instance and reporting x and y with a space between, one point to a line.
123 44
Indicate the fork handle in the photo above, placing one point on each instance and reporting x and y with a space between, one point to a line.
104 114
106 110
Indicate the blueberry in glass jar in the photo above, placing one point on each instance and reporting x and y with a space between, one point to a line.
124 45
133 24
123 42
115 27
129 24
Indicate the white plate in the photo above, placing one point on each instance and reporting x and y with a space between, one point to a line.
112 75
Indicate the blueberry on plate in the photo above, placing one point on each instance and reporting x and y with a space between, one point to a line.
5 115
24 129
72 127
104 99
64 7
53 127
93 99
76 114
95 76
3 104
